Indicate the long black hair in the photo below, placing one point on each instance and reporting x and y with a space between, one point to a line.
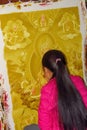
70 104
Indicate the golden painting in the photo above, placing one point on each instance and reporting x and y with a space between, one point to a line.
27 36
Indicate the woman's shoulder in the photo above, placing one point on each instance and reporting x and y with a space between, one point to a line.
78 80
49 86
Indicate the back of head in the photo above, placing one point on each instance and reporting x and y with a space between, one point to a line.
51 58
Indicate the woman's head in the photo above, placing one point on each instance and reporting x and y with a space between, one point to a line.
52 60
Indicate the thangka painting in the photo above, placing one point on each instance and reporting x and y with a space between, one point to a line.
27 36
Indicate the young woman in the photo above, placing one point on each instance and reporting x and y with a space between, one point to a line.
63 102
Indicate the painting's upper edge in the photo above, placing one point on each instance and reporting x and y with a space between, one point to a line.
29 6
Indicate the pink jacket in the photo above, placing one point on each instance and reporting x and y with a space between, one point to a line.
48 111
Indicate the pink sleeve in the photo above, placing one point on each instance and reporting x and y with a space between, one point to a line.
44 120
81 87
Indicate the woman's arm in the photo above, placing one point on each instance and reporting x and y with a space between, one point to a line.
44 119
